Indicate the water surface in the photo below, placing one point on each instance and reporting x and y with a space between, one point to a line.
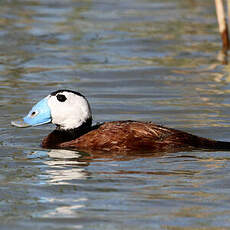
142 60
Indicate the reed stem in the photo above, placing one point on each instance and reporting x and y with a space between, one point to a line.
223 29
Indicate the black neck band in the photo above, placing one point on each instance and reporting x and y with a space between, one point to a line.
71 134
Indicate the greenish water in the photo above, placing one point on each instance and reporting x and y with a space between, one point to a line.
142 60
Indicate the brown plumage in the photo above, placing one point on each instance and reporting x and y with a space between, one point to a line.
130 137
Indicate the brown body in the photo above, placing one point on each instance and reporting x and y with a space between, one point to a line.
130 136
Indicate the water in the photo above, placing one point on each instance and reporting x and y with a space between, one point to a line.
142 60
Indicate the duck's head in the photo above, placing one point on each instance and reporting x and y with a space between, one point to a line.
65 108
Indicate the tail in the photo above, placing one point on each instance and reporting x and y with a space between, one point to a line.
215 145
206 144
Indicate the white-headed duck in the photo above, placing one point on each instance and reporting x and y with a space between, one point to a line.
71 113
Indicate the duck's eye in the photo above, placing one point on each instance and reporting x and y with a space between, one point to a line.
61 97
33 114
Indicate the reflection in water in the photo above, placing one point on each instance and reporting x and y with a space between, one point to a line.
140 60
61 172
64 166
66 210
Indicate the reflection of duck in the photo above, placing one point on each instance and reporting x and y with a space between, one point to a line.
65 166
71 113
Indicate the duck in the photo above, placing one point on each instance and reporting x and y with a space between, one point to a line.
70 111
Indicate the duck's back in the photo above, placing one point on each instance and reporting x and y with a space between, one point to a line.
127 136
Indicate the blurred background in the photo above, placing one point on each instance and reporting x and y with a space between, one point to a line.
143 60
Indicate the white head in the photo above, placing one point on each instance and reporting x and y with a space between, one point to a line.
64 108
68 109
